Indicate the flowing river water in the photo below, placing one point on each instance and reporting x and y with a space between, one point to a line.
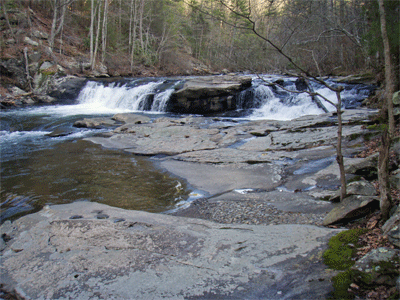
45 161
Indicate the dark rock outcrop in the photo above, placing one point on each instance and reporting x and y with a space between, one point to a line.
14 71
206 95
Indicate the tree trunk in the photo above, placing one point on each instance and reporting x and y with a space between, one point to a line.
339 155
141 12
3 4
104 32
53 26
389 69
383 176
383 163
28 76
59 6
96 43
133 34
92 13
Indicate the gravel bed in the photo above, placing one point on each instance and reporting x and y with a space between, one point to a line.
253 212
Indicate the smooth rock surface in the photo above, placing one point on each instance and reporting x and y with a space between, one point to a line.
153 256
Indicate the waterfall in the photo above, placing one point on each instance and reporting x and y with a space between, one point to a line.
273 102
121 97
260 101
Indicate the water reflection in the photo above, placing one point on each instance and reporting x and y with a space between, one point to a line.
79 170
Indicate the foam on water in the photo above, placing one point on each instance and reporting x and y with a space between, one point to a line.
274 108
112 98
16 136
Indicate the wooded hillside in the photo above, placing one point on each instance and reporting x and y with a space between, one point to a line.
150 37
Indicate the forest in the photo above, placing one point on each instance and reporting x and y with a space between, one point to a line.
325 37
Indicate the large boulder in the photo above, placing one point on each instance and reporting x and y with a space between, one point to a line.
362 187
378 267
351 208
15 71
205 95
66 87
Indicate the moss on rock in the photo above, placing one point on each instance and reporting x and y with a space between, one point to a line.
342 248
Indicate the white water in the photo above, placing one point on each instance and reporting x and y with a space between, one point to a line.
295 106
160 100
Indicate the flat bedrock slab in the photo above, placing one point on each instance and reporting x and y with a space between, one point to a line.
216 179
253 139
139 255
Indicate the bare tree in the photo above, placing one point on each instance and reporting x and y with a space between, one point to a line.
94 40
60 7
3 4
383 162
104 32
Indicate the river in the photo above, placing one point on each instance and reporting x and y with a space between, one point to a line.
45 161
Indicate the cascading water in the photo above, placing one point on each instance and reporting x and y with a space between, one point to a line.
127 97
272 102
261 101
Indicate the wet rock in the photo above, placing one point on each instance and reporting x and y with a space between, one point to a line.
379 266
74 217
351 208
59 132
102 216
392 228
